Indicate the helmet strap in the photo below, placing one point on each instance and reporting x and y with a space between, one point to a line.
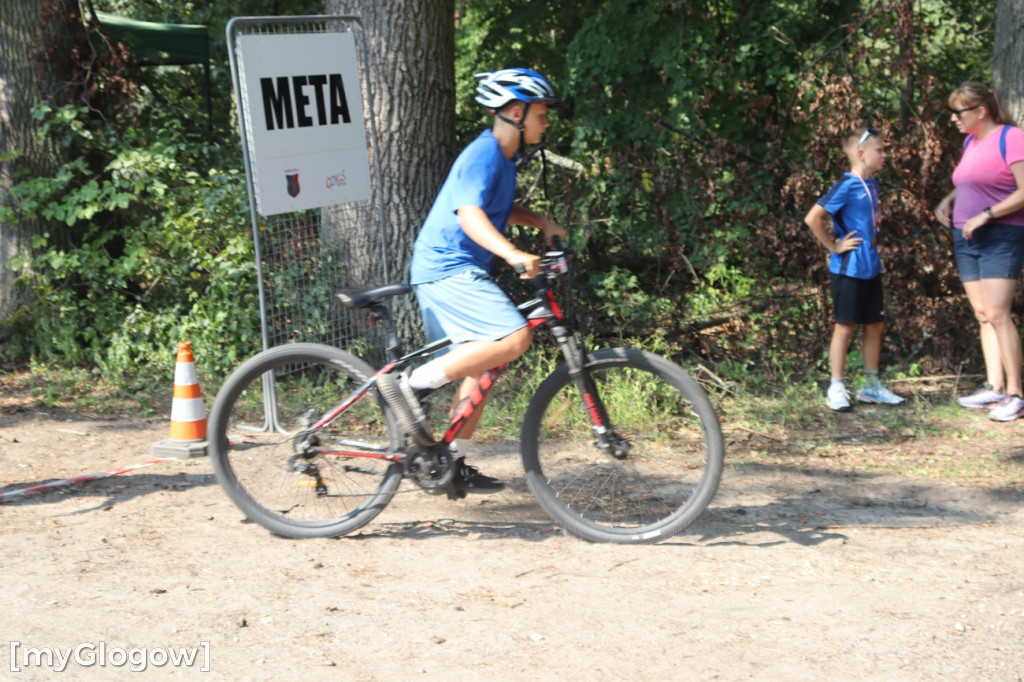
521 125
525 156
509 121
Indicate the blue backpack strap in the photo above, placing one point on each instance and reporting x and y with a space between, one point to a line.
1002 141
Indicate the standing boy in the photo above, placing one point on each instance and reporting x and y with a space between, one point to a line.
452 257
855 266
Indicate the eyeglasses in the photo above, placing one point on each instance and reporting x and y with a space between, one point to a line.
957 112
863 138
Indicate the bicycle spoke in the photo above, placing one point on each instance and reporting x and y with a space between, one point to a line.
664 481
300 482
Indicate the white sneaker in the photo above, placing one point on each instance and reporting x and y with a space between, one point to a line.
1008 409
838 398
984 398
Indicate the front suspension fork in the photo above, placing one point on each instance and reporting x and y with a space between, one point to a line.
600 423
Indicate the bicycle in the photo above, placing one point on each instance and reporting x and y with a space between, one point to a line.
618 445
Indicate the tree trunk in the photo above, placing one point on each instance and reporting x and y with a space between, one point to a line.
28 28
19 26
1008 57
411 45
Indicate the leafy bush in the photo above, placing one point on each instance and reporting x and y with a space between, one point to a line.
705 142
150 249
704 132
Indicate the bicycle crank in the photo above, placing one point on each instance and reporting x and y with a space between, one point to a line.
431 469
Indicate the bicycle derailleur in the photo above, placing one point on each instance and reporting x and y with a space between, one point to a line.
306 445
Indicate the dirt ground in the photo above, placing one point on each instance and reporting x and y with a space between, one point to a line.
807 569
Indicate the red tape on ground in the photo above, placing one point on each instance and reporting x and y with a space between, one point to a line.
88 477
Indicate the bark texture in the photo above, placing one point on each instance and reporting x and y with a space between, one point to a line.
20 89
1008 57
411 67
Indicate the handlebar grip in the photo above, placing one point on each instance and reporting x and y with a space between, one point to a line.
519 268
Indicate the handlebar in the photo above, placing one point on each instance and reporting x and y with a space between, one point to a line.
552 263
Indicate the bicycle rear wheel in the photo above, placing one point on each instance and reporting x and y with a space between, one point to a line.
292 480
673 465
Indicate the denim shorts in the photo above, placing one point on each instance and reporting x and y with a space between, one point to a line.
467 306
994 251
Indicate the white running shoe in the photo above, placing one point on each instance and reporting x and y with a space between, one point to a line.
1008 409
838 398
982 399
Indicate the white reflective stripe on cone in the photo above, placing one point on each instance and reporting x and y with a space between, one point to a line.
187 410
185 374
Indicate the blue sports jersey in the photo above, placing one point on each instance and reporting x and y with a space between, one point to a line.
853 208
481 176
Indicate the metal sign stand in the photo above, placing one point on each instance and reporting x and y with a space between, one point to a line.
314 264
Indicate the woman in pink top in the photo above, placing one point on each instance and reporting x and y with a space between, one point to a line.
986 210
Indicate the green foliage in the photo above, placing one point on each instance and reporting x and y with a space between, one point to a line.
148 248
624 301
148 240
704 130
707 130
184 85
722 287
492 35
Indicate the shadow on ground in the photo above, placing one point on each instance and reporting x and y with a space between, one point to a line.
111 491
803 506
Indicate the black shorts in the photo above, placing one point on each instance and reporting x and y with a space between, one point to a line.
857 301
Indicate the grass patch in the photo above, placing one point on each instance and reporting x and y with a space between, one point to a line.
78 391
927 437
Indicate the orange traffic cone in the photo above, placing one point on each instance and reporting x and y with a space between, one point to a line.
188 415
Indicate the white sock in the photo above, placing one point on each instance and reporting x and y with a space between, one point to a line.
430 375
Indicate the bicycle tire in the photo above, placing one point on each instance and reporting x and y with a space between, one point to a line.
672 470
251 462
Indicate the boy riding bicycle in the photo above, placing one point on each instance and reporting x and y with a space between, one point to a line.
452 256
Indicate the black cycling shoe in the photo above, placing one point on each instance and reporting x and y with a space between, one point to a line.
404 401
469 480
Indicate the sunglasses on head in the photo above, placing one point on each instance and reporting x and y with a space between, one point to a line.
957 112
867 133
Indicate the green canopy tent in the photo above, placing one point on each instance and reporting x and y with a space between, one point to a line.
155 44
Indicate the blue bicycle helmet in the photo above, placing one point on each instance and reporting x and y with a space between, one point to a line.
497 88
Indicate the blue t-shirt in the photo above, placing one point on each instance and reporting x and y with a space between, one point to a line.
481 176
853 204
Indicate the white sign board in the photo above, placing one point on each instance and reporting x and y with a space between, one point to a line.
304 113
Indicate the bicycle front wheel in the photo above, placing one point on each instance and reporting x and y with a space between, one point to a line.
670 455
291 479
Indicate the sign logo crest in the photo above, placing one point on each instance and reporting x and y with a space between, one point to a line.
293 183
